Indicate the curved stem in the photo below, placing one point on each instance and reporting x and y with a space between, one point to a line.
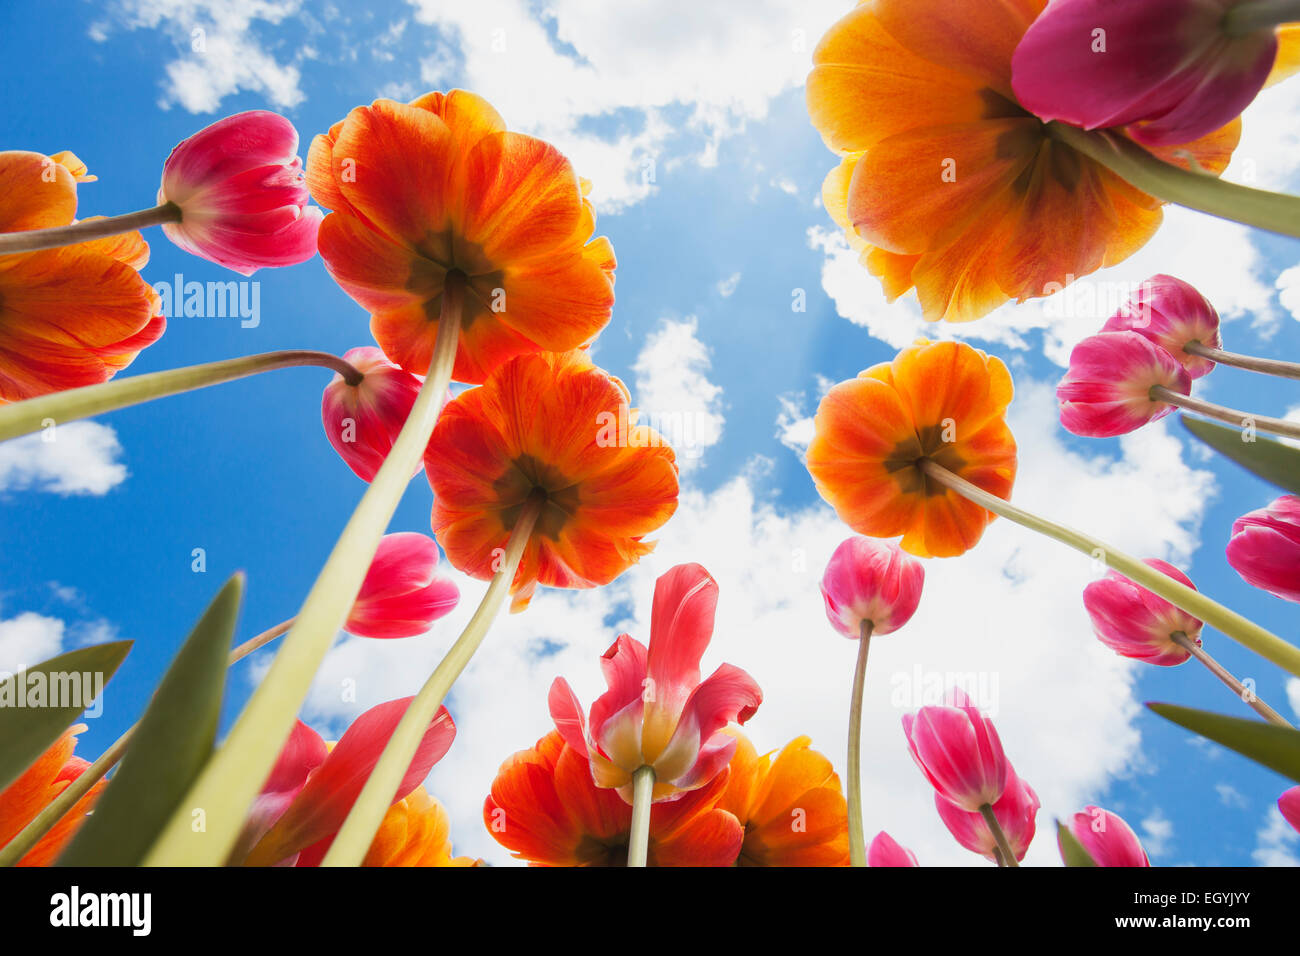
857 839
23 418
1245 632
231 780
56 809
30 240
1231 416
1006 857
1249 362
638 841
1246 695
358 830
1275 212
1253 15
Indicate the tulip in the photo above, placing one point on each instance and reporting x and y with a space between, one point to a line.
362 421
1171 70
958 750
873 583
1135 623
1107 838
1108 388
1265 548
402 594
1289 804
242 197
1015 813
885 851
1173 315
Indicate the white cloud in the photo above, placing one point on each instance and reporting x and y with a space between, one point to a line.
1288 284
1230 796
1293 694
1007 614
79 458
1276 841
29 639
1157 833
673 390
727 287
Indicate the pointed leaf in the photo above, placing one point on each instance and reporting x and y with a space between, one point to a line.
169 747
1277 748
1072 851
1275 462
27 729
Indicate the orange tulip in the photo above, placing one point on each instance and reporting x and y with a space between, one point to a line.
40 783
941 401
551 425
416 832
790 805
437 186
946 184
545 808
72 315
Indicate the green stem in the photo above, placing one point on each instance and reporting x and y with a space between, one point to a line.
1244 693
857 838
638 841
56 809
1005 855
23 418
1275 212
1278 426
1245 632
30 240
1249 362
358 831
231 780
1254 15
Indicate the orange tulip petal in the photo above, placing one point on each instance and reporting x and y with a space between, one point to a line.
36 192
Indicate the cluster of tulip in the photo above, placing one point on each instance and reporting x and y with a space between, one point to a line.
990 150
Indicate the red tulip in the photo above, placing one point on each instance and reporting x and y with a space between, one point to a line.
242 195
1107 838
362 421
1265 548
870 580
1135 623
958 750
402 594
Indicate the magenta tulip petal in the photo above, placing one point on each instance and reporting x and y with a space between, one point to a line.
1107 390
363 421
1107 838
885 851
1016 812
681 625
402 594
1136 623
1289 805
1265 548
870 580
958 750
1171 314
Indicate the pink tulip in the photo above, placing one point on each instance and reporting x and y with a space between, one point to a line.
1135 623
312 788
1172 314
363 421
1107 838
402 594
1015 812
242 195
1169 69
657 712
885 851
1289 804
873 581
958 750
1265 548
1107 390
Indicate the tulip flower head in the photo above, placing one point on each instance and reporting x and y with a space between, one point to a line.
958 750
1135 623
422 190
241 193
872 582
946 182
941 401
657 712
362 421
1289 805
402 594
1016 811
1107 838
1107 389
1171 314
1170 70
35 787
72 315
1265 548
886 851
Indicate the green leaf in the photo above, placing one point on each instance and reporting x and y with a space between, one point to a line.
1277 748
29 728
1275 462
1072 851
170 745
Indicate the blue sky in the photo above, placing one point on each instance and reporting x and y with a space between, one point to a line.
691 124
